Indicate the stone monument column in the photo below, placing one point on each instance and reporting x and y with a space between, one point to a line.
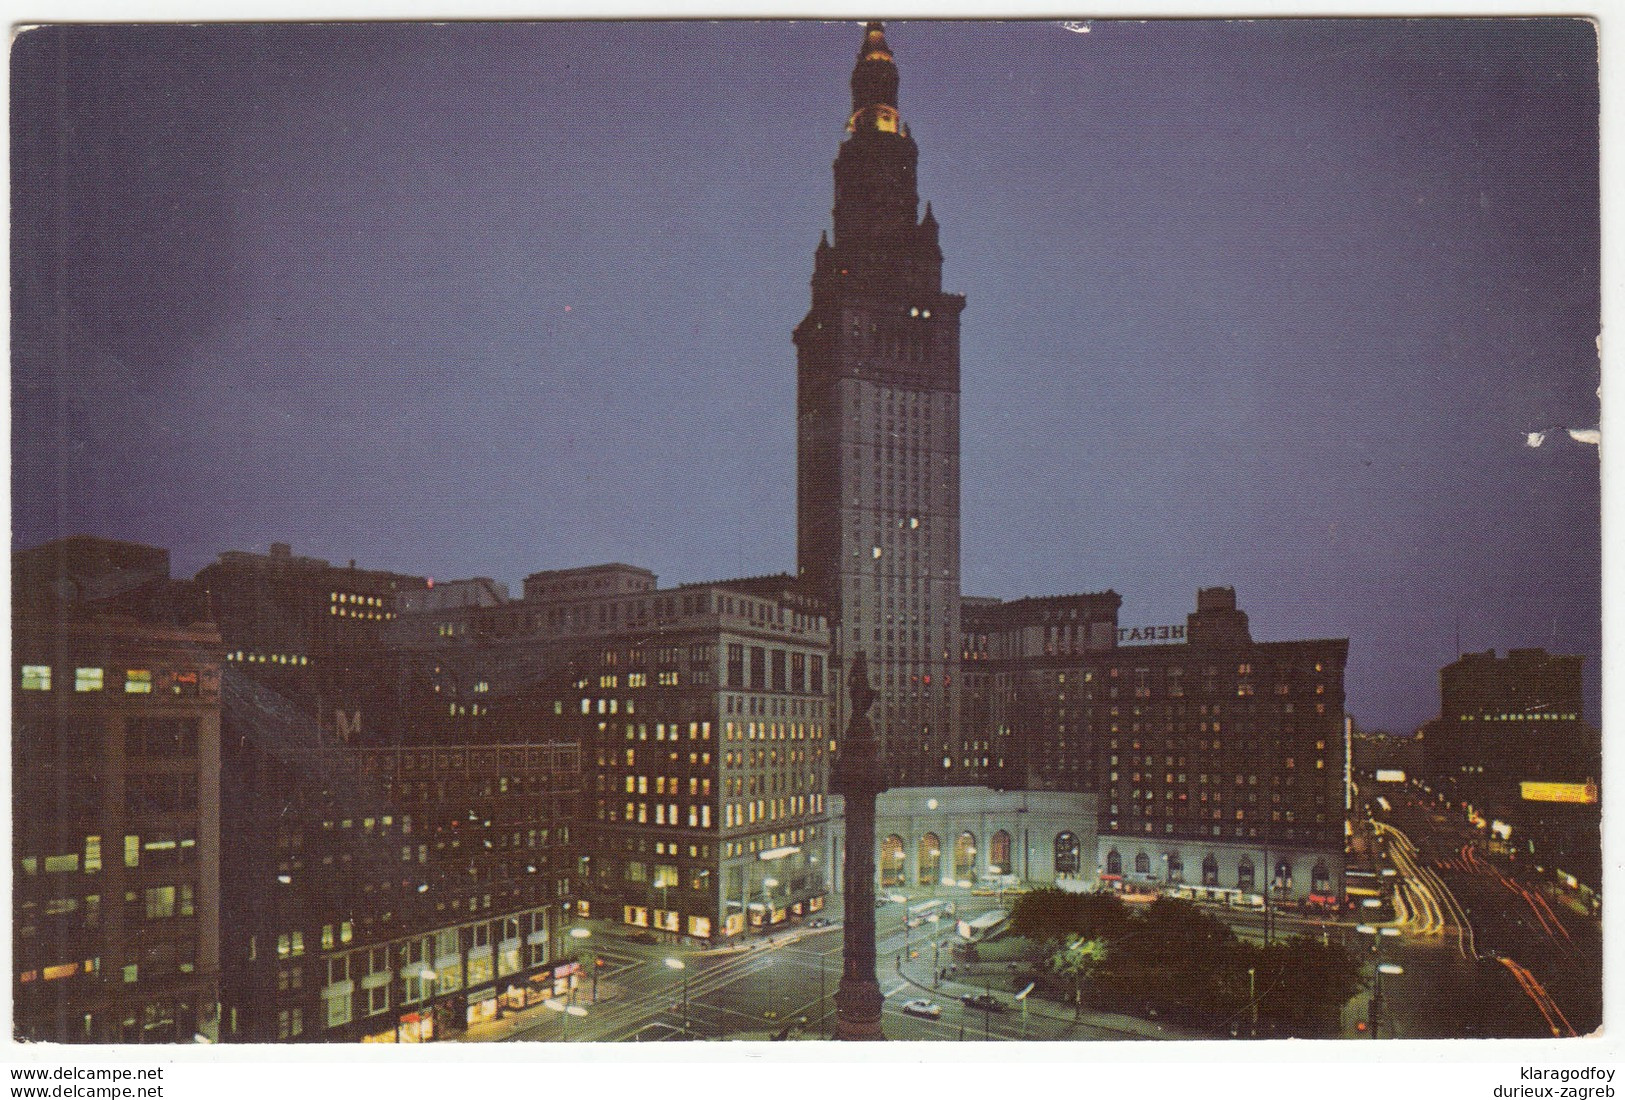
859 776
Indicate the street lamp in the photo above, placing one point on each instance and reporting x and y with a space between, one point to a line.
1022 997
1376 996
567 1010
678 964
768 886
586 934
1377 933
428 978
823 1028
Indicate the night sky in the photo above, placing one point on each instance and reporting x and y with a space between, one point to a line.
1267 304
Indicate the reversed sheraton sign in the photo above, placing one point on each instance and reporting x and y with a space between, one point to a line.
1143 635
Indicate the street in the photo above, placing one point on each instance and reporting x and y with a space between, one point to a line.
786 987
1488 947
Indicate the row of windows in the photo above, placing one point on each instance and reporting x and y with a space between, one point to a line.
757 844
1173 866
774 670
159 851
771 731
354 613
702 759
137 681
640 785
1537 716
612 614
240 657
736 814
699 816
770 707
352 599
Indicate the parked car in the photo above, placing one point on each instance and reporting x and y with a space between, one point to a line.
984 1001
928 1009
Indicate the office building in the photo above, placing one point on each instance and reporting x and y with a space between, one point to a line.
702 712
389 893
312 631
115 799
1510 741
877 405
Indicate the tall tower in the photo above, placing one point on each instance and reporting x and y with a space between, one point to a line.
878 437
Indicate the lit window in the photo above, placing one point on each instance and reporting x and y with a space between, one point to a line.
87 679
160 902
138 681
36 677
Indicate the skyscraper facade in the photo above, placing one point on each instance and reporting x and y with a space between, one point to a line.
116 838
878 437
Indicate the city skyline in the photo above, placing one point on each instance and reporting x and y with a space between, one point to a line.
1367 248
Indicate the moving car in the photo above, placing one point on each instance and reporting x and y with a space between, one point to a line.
929 1009
984 1001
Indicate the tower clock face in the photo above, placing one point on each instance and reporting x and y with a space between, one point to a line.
885 119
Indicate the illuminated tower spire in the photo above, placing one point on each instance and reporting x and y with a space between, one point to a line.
874 85
878 438
875 192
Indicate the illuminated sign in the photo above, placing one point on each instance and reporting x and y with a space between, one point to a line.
1140 635
1390 775
1584 793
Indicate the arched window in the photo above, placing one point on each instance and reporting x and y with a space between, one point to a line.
1176 867
1244 874
1320 881
891 861
930 859
965 856
998 854
1210 870
1114 862
1142 864
1067 856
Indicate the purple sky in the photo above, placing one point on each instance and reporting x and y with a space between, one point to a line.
1267 304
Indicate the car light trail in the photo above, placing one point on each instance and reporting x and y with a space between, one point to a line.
1543 1000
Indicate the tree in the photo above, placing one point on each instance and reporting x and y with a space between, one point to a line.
1176 960
1050 916
1303 984
1078 959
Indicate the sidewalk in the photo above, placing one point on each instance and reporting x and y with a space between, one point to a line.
492 1031
1132 1027
775 939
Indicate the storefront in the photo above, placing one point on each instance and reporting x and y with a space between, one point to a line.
566 976
539 988
482 1005
416 1027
